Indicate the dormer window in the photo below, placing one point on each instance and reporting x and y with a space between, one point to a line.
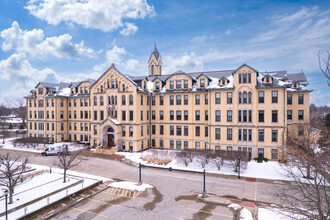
267 79
86 89
157 85
202 83
185 82
223 82
72 91
295 85
171 85
40 91
178 84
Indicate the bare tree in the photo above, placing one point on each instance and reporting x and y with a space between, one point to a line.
237 159
11 172
308 166
32 142
4 111
184 156
19 108
203 157
66 160
218 158
324 63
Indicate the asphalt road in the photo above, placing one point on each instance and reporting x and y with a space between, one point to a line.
174 195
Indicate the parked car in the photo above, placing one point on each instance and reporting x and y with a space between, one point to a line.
21 131
58 150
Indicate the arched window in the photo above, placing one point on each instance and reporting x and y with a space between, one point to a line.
113 84
239 97
244 97
152 70
130 100
108 84
111 129
123 100
101 100
109 100
249 97
123 87
116 84
101 88
112 100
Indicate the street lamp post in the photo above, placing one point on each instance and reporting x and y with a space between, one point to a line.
6 196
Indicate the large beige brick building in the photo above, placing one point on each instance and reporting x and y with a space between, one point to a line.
241 109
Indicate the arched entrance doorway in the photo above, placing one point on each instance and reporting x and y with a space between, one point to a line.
111 137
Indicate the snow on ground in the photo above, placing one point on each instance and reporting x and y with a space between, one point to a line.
41 185
130 186
246 214
266 170
9 145
275 214
234 206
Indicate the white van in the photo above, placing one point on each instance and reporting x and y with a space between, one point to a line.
56 150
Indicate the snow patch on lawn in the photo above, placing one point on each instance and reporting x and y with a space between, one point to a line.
247 214
234 206
130 186
276 214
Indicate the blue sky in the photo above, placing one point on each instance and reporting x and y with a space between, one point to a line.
70 40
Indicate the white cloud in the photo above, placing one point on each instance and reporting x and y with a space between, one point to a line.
118 56
187 63
105 15
35 44
22 75
228 32
202 38
129 29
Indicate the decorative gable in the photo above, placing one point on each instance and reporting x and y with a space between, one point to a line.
267 80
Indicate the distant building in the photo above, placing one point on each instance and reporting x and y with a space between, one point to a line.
241 109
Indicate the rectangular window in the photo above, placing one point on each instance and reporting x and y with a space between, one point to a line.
301 99
153 100
261 135
261 96
185 82
250 134
244 134
217 115
229 98
250 115
178 115
171 115
229 148
217 133
261 116
161 129
274 135
161 100
206 115
274 96
274 154
185 144
178 100
161 115
289 115
300 131
249 77
198 131
123 131
61 102
229 116
197 99
244 116
141 115
185 115
157 85
186 130
123 115
171 85
274 116
185 99
217 98
141 130
141 100
206 131
131 131
153 115
202 83
101 115
178 84
171 100
178 130
178 145
197 145
86 127
239 116
229 134
244 78
197 115
206 99
261 152
171 144
131 115
95 115
171 130
240 78
300 114
153 129
289 100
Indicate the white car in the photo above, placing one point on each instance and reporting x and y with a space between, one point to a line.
49 151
